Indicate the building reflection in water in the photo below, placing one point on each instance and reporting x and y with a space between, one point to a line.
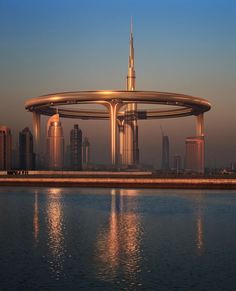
200 233
55 231
119 245
36 218
199 223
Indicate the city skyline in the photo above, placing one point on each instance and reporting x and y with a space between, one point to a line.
204 68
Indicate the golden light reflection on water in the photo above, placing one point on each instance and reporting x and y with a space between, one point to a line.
199 223
200 233
121 239
55 231
36 217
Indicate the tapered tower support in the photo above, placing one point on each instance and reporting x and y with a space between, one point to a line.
121 140
201 143
113 110
200 125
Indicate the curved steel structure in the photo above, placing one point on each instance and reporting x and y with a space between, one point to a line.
184 105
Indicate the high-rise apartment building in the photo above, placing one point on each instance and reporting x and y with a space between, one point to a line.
86 152
26 150
76 148
5 148
194 156
165 162
55 143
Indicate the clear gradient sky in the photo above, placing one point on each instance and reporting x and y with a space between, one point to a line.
184 46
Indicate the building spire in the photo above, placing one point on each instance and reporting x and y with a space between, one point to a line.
131 71
131 25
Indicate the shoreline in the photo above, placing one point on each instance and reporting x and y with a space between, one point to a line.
121 182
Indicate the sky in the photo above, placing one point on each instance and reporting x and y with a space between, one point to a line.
183 46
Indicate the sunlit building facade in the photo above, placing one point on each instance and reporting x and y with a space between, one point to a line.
26 150
76 148
194 156
5 148
55 143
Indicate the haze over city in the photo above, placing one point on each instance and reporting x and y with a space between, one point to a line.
180 46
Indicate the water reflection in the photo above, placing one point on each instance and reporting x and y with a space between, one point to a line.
200 233
36 217
55 231
199 223
118 246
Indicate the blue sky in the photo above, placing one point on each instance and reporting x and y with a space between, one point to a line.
185 46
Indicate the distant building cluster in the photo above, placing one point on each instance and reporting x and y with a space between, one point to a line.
194 156
77 156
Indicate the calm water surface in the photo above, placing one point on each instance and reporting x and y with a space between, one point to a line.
109 239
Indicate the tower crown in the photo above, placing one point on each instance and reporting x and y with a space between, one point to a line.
131 71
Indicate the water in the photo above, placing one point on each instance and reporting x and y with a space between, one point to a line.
107 239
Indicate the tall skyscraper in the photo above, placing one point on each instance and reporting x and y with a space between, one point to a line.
86 152
165 161
55 143
129 129
5 148
194 156
26 150
76 148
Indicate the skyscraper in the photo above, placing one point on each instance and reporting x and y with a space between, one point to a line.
165 161
26 151
5 148
194 156
55 143
86 152
129 128
76 148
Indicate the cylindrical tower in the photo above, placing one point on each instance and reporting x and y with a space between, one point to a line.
55 143
26 150
5 148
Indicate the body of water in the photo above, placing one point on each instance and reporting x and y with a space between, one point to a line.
117 239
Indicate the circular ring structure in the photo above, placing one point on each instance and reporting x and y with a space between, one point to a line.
180 105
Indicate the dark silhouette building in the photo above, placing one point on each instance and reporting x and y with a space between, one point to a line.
5 148
26 150
76 148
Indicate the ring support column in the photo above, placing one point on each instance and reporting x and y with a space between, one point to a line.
200 125
113 110
37 134
201 143
121 139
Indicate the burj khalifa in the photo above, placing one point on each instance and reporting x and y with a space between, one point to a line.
128 128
